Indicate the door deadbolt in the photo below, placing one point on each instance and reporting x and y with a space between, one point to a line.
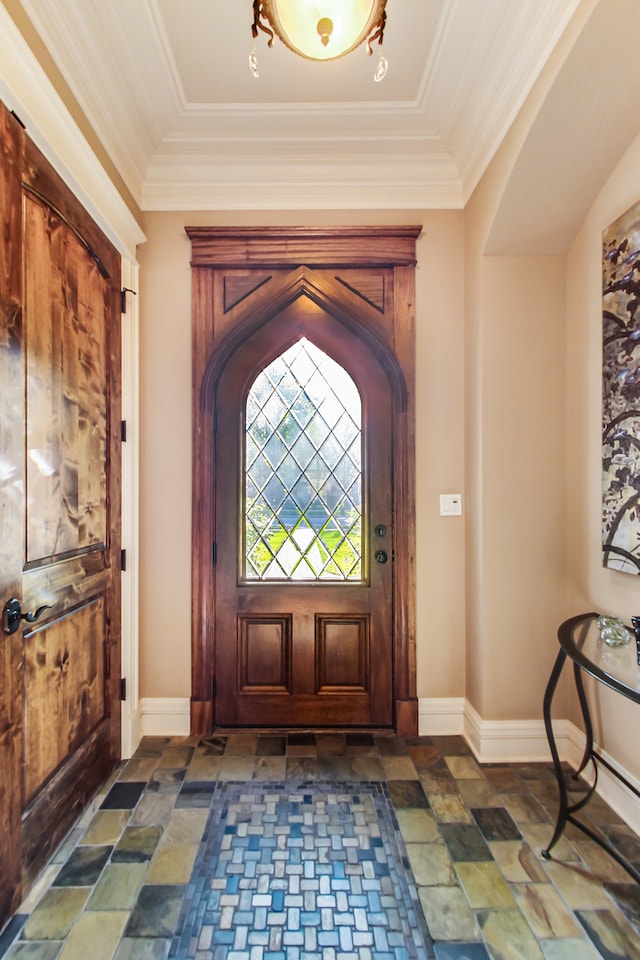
380 530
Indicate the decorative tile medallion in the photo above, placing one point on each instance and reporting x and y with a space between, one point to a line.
294 870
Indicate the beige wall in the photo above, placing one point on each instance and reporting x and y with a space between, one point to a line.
165 454
593 587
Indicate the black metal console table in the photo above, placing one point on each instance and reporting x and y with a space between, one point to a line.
615 667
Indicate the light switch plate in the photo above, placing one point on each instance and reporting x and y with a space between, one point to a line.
450 505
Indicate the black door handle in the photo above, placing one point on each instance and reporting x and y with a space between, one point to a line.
12 615
380 556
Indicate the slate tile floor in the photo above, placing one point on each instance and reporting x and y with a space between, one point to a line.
129 873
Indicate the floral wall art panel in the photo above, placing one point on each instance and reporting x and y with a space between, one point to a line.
621 393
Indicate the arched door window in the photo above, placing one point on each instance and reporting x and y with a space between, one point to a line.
303 471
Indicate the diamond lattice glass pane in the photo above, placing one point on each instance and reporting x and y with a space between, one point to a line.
275 451
302 516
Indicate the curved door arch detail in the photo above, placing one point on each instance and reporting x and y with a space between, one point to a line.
246 309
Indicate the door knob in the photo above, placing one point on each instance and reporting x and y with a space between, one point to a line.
12 615
380 556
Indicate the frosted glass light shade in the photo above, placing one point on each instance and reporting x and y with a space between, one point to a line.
324 29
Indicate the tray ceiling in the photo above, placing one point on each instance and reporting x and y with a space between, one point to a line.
166 86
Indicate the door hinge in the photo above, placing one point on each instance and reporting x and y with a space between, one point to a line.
214 688
214 553
123 431
123 688
123 560
123 298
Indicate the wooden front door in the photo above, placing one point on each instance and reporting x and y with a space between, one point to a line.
267 647
59 510
304 558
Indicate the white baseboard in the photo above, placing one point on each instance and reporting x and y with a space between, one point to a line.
525 741
165 716
443 716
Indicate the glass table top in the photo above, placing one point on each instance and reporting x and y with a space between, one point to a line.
615 666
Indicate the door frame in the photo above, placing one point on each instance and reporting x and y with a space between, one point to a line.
241 278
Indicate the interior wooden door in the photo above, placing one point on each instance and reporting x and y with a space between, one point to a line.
304 529
60 510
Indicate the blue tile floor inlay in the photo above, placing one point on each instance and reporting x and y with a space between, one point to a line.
302 871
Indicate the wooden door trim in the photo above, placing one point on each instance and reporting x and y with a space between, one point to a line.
302 262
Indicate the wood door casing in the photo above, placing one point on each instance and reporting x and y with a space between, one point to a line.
241 279
295 653
60 517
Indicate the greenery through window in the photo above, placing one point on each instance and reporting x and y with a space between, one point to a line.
303 470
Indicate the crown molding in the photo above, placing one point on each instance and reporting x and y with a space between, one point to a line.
25 88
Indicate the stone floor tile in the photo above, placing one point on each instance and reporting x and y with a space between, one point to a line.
118 887
195 794
448 808
495 823
448 914
95 936
399 768
137 844
367 768
508 935
157 912
424 756
211 747
84 866
523 808
185 826
241 745
56 913
417 826
204 768
138 948
437 780
408 793
538 836
336 768
392 747
518 862
451 746
269 768
172 863
610 933
625 840
431 864
106 827
237 768
153 810
302 768
579 888
485 886
39 888
465 842
461 951
167 780
152 746
464 768
175 757
569 949
505 780
627 897
35 951
600 862
273 746
545 911
478 793
138 768
123 796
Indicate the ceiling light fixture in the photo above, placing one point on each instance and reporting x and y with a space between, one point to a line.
321 29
